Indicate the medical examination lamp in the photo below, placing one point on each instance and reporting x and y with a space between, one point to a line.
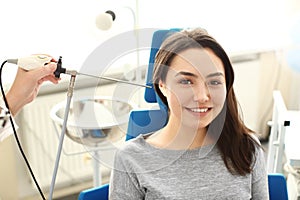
104 20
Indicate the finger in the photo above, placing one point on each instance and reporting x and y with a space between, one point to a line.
44 71
50 78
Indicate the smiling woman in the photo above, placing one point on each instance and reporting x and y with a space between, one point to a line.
190 82
205 147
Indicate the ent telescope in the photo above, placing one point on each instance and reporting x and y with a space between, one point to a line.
38 60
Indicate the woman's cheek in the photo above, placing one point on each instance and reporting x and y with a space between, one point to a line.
182 95
218 96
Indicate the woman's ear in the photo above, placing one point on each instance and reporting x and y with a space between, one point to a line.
162 88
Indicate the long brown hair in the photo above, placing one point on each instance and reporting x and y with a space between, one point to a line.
235 142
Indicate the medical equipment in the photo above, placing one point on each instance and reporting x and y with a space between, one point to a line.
86 124
31 62
98 124
37 60
60 70
73 74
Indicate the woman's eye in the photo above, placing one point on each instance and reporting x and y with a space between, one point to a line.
214 82
185 82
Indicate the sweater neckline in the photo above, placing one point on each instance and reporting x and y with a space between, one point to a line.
198 153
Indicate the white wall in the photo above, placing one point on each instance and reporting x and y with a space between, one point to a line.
238 25
67 28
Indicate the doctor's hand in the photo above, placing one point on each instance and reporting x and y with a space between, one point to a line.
27 84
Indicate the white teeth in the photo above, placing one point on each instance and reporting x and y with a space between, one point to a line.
199 110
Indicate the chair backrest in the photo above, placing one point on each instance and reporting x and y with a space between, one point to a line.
100 193
277 187
157 39
147 121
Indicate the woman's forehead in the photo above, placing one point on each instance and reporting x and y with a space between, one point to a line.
197 60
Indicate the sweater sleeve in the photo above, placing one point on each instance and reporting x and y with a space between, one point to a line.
124 184
260 189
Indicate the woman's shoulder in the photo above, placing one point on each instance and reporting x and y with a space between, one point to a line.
134 154
134 145
259 151
259 154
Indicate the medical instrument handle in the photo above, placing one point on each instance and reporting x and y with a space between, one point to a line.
31 62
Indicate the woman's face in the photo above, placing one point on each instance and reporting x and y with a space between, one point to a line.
195 88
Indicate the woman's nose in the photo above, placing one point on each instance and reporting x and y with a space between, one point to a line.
201 93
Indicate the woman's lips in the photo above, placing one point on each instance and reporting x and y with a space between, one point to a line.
203 111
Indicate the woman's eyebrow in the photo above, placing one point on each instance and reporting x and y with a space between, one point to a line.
185 74
215 74
194 75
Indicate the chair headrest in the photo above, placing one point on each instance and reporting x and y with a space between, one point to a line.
157 39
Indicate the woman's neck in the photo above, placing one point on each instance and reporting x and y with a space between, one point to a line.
178 138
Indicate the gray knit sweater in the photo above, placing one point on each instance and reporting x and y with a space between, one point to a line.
142 171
